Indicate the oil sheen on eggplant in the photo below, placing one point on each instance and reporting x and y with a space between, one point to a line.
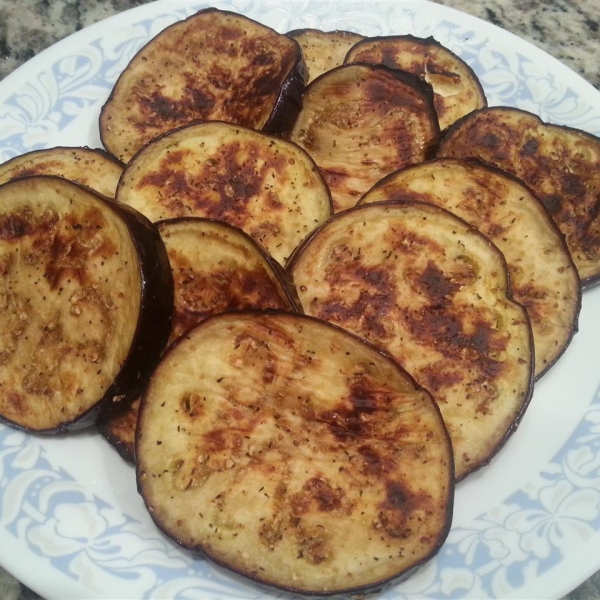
543 276
432 291
87 299
560 164
294 453
262 184
362 122
216 268
214 65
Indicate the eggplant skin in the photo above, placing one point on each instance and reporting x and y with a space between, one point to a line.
91 167
71 239
432 291
295 453
156 313
560 164
288 104
214 65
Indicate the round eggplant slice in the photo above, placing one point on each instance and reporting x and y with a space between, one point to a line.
432 291
543 276
560 164
92 168
87 296
264 185
456 89
215 65
362 122
324 50
294 453
216 268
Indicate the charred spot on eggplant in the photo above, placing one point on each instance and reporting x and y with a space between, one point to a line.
456 89
324 50
266 186
543 276
87 299
294 453
362 122
215 65
432 291
90 167
560 164
216 268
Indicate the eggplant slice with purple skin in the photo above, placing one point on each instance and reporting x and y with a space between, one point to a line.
216 268
294 453
433 292
362 122
214 65
87 298
456 89
90 167
560 164
324 50
266 186
543 276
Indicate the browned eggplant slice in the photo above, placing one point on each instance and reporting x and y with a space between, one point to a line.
324 50
430 289
456 89
215 65
543 277
560 164
87 297
294 453
216 268
119 430
362 122
93 168
264 185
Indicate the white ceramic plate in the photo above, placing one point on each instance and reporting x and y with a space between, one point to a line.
527 526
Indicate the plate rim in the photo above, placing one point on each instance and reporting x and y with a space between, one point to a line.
128 17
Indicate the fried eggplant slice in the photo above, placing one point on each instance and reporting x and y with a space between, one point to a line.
266 186
294 453
433 292
87 299
560 164
215 65
324 50
362 122
456 89
216 268
90 167
543 277
119 430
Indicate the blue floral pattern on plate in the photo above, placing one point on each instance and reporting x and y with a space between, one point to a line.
90 541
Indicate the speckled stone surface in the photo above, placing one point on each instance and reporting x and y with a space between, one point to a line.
569 30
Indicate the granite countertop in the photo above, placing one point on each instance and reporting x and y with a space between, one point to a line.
569 30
